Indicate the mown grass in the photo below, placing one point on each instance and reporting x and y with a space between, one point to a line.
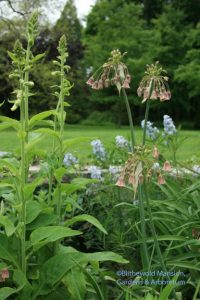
189 149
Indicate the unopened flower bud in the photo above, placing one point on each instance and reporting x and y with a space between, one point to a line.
131 179
155 152
141 179
120 182
167 167
90 81
161 179
126 84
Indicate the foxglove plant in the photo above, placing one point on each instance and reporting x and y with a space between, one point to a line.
30 225
114 72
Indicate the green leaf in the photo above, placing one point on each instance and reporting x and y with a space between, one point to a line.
33 209
30 187
1 104
5 292
50 234
6 252
48 131
41 116
59 173
87 218
12 56
13 123
168 289
43 219
8 225
57 266
37 57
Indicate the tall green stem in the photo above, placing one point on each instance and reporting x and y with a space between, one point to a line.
23 182
60 158
146 194
145 122
144 249
129 118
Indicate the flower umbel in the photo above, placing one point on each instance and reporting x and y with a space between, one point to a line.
113 72
154 85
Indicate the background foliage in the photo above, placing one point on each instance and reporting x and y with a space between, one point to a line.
148 30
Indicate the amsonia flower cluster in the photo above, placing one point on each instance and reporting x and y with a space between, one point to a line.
98 149
121 142
95 172
70 159
169 127
152 132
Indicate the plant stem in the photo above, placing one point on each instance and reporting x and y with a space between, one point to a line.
129 118
153 230
144 249
24 159
146 194
145 122
23 181
60 158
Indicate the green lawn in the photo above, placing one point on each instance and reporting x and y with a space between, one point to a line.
189 148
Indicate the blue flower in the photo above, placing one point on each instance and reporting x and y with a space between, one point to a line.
98 149
121 142
69 160
152 132
95 172
169 127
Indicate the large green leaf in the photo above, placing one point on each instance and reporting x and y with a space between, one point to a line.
14 123
6 251
8 225
86 218
5 292
41 116
57 266
33 209
47 131
44 219
47 234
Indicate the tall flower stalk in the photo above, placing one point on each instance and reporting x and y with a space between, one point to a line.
152 87
59 121
115 72
22 60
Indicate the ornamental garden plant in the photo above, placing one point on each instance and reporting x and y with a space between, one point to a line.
124 226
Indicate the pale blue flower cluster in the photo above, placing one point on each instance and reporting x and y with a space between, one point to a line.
69 160
98 149
95 172
169 127
152 132
121 142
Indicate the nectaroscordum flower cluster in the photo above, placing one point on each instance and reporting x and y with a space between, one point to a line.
113 72
154 85
141 162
